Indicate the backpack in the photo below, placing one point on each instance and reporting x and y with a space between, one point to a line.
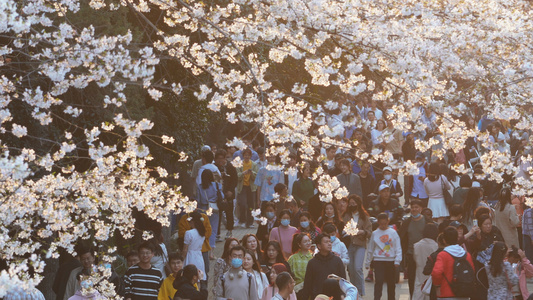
463 277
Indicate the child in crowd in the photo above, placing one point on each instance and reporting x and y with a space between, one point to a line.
175 261
385 253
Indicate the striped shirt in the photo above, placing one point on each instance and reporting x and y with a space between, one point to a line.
142 284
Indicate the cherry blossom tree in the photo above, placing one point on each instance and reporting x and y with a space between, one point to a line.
445 56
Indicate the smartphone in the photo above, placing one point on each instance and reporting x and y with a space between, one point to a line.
333 276
475 222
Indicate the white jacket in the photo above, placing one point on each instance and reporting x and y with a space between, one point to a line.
339 248
384 245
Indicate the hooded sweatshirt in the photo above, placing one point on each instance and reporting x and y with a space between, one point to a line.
384 245
318 269
443 269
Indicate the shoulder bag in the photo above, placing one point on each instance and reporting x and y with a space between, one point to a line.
447 197
212 205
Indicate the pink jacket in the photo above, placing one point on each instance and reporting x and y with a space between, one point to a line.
524 271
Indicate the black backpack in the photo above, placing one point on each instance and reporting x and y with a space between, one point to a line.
463 279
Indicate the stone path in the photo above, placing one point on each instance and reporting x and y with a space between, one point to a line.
402 289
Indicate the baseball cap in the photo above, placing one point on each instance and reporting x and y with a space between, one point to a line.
383 186
387 169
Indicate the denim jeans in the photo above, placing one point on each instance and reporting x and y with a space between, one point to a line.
213 220
355 267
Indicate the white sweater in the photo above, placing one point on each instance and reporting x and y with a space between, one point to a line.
384 245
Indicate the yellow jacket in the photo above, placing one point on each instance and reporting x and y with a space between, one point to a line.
183 226
167 291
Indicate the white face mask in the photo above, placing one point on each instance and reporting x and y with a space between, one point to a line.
387 177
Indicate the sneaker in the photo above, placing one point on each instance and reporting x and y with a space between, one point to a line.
219 239
370 277
250 226
242 225
229 234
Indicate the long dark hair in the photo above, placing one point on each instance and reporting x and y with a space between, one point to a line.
363 214
505 198
207 178
471 203
279 258
184 276
312 226
434 171
336 218
255 262
244 241
198 223
296 240
496 260
225 254
332 289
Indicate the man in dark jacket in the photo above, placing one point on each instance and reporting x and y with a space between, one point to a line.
385 204
349 180
320 266
411 232
229 183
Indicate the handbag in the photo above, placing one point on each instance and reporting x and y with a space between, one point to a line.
426 287
212 205
447 197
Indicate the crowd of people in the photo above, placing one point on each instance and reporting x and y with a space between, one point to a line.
470 241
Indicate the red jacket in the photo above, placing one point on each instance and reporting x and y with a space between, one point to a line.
444 268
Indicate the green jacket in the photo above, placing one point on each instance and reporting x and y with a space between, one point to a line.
240 176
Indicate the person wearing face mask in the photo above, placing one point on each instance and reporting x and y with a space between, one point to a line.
395 188
263 231
236 283
186 282
337 247
330 214
411 232
357 244
386 204
308 226
284 232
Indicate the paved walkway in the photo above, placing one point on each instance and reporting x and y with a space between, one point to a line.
402 290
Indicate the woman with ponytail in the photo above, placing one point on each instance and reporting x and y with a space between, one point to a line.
185 283
193 241
500 274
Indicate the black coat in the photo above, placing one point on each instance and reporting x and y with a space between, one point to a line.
318 269
187 291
